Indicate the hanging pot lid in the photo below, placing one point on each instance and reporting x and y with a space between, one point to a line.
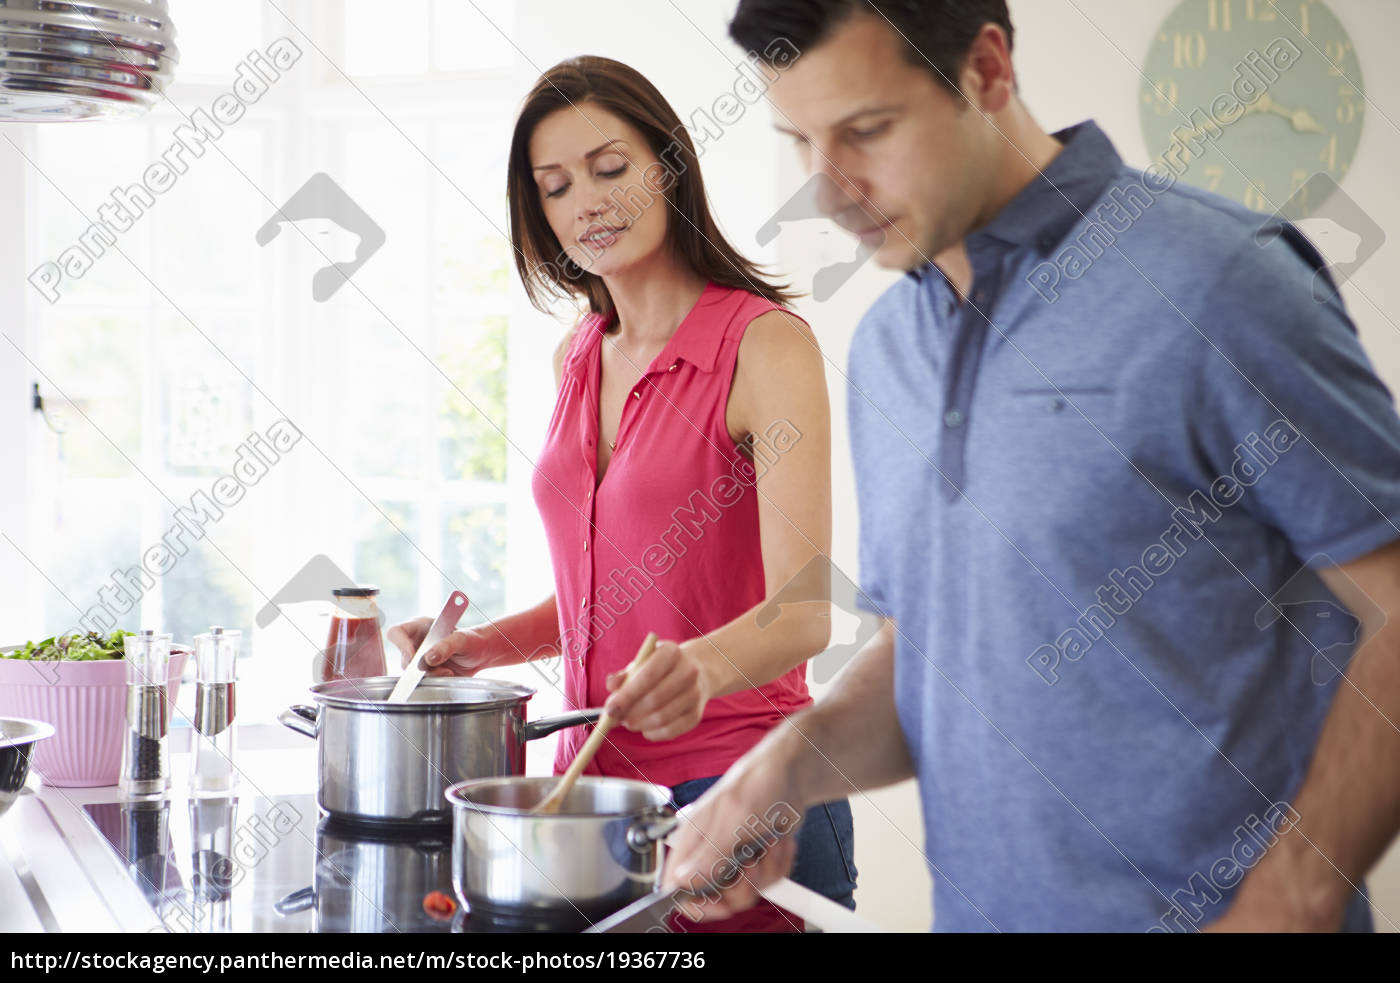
83 59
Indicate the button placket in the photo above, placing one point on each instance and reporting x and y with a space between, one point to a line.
636 403
971 329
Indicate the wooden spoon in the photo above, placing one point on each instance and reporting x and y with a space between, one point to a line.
560 792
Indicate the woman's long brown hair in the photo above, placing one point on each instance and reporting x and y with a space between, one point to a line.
547 272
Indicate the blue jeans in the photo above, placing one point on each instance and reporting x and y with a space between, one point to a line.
826 861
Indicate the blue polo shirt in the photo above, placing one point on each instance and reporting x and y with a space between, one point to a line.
1094 497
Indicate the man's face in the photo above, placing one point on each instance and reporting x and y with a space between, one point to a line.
588 166
909 163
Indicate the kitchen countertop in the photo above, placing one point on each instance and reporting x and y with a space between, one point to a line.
58 873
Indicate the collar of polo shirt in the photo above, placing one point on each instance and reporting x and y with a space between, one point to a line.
1044 211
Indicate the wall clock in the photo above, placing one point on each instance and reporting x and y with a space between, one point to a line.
1252 98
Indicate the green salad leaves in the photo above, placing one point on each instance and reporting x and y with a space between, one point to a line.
73 648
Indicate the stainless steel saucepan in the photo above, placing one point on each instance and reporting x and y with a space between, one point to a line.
598 853
392 763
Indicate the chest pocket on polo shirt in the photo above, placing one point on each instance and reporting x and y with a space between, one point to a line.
1053 469
1065 402
1079 423
1067 437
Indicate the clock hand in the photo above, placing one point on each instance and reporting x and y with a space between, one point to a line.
1300 118
1266 104
1304 123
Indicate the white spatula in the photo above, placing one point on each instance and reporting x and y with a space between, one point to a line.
445 625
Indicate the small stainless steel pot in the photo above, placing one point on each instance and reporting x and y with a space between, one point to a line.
390 763
600 852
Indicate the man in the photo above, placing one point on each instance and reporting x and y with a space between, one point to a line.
1133 528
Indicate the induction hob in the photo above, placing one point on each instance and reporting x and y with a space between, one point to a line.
262 865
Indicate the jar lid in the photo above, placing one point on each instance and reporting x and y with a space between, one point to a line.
365 591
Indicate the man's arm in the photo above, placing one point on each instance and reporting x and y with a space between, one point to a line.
849 741
1348 807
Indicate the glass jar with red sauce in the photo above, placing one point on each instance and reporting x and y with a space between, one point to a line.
354 647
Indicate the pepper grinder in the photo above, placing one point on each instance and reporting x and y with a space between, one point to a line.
146 753
212 770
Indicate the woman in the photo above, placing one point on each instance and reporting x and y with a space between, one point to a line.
686 467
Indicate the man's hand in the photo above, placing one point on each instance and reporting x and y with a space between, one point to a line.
663 698
1269 900
749 817
1349 803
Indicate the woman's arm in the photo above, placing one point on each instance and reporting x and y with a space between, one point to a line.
779 395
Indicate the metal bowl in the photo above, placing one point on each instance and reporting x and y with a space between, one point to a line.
17 740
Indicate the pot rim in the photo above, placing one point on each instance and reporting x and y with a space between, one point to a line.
495 694
454 795
34 731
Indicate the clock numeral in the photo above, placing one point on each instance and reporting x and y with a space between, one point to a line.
1304 25
1329 154
1219 17
1254 198
1300 178
1260 10
1336 52
1214 174
1189 50
1349 109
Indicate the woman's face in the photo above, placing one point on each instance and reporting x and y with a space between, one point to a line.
588 166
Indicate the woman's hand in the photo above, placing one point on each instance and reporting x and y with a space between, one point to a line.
665 697
461 653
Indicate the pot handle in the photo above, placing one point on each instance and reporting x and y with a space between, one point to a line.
548 725
295 902
643 833
300 718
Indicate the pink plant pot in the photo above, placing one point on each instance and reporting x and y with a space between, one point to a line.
86 704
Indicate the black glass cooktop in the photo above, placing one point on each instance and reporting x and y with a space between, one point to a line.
262 865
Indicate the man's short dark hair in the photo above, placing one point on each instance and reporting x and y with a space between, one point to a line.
936 33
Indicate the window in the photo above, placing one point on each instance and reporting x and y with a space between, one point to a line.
175 353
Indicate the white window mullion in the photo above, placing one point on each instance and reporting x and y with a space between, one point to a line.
21 431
